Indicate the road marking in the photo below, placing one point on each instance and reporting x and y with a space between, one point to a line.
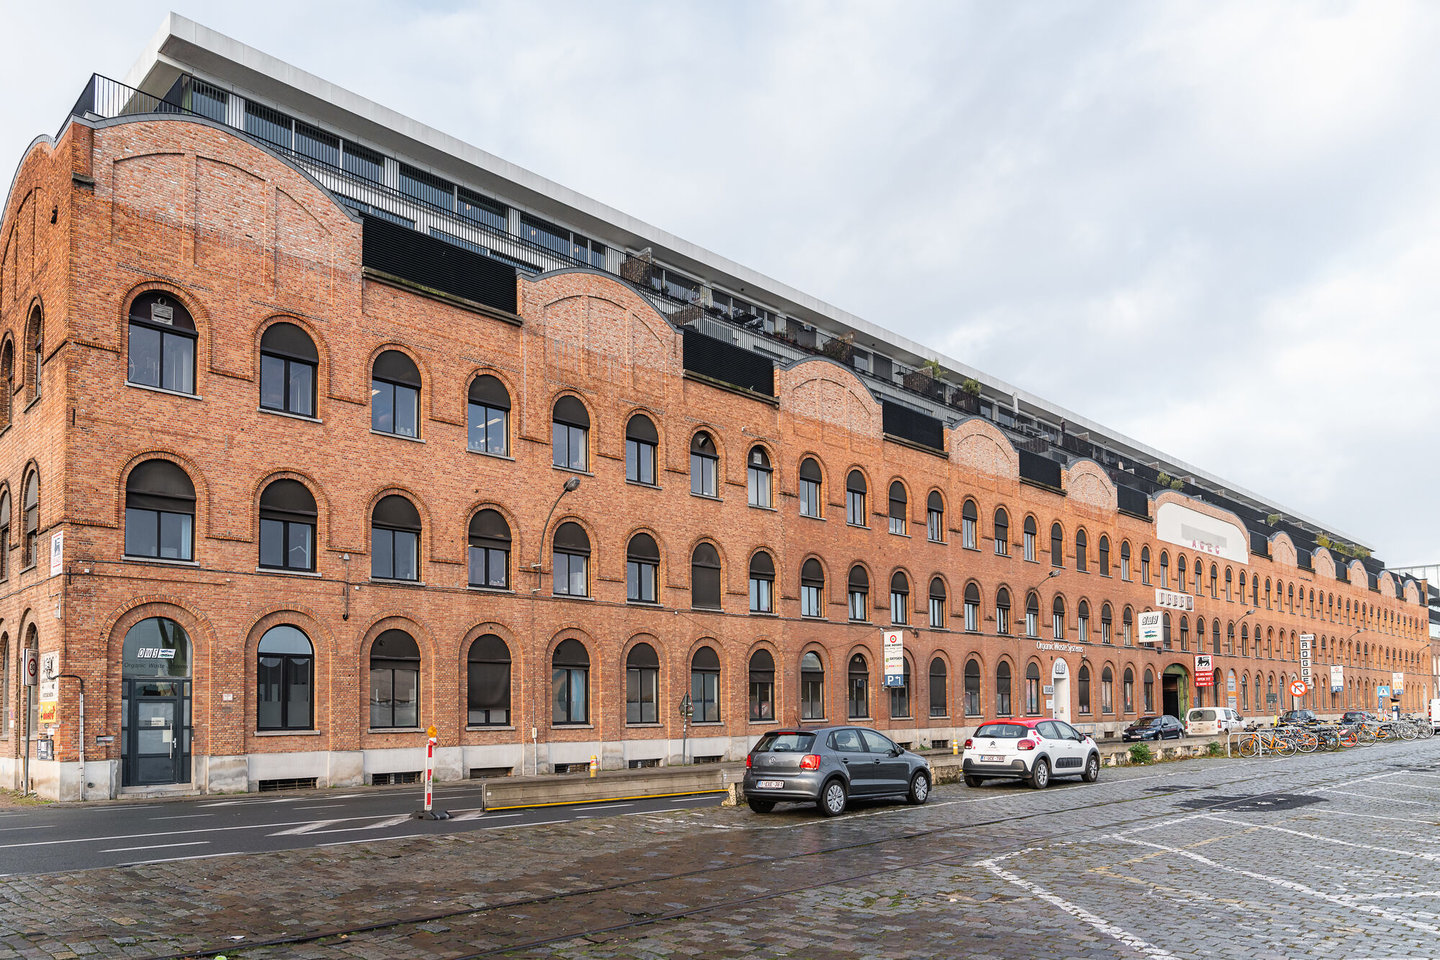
323 806
391 822
538 823
1371 796
343 843
1365 816
1318 837
156 846
141 836
612 806
689 800
198 856
188 816
304 828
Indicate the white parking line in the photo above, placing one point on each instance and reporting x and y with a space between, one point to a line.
1371 796
188 816
156 846
1323 839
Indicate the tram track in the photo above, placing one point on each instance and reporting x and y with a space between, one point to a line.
1260 770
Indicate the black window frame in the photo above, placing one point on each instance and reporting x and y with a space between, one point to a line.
484 705
154 491
389 529
287 666
180 327
287 349
489 542
487 400
641 443
290 510
387 387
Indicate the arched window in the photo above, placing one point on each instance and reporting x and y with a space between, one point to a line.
395 540
570 684
969 526
899 598
935 517
1032 689
284 677
642 568
810 479
159 513
857 688
642 684
570 434
1125 560
571 577
1229 583
812 588
972 688
758 479
1032 615
1002 532
1149 691
288 362
31 506
1057 545
1057 617
899 504
487 682
705 686
1165 569
1229 639
162 345
704 466
972 607
762 583
1081 545
4 544
1244 640
1105 622
287 526
705 577
7 381
1002 611
939 696
1245 693
1083 688
855 499
859 593
1214 637
1145 564
489 541
762 685
1214 581
1127 624
1002 690
394 681
395 395
1082 621
937 603
641 440
1104 556
1180 568
1127 691
1029 544
812 687
1107 691
900 696
487 416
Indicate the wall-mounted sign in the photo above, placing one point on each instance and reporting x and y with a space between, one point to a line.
57 553
1174 599
1397 683
894 658
1337 678
1059 647
1152 626
1184 527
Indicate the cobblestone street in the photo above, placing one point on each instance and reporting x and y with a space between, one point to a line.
1318 856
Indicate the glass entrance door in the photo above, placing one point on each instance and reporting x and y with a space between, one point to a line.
157 732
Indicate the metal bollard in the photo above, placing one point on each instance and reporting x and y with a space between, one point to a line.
594 764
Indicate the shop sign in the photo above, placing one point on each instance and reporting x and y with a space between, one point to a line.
1058 647
1174 600
1152 626
155 653
1306 639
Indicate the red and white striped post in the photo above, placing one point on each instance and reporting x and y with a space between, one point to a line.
429 813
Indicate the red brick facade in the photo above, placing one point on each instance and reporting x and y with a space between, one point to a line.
242 240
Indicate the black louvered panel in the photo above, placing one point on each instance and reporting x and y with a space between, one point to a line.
400 252
907 424
728 363
1038 469
1132 501
1259 544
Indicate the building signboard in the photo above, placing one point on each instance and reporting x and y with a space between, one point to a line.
1152 626
894 658
1397 683
1185 527
1306 640
1337 678
1174 600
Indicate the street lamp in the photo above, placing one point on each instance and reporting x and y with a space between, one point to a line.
571 485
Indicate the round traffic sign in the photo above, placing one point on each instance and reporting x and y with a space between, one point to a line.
1297 689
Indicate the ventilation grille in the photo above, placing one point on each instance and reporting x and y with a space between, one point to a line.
490 773
293 783
712 758
642 764
390 779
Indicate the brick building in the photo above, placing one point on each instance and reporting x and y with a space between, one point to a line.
319 432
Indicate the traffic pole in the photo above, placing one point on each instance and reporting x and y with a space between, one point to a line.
429 813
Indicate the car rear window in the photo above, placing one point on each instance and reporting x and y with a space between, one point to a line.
785 743
1016 730
1202 714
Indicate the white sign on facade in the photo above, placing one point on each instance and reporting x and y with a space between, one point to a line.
49 680
1174 600
894 658
1184 527
1337 678
1397 682
1152 626
1306 639
1203 663
57 553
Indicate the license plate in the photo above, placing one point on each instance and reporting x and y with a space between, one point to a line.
991 758
771 784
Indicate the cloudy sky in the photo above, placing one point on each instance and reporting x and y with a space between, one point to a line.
1214 227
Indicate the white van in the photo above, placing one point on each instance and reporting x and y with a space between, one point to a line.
1212 721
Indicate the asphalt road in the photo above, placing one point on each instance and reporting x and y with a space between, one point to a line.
77 837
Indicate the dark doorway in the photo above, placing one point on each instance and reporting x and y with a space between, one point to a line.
155 704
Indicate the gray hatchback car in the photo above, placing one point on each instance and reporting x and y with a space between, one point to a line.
829 766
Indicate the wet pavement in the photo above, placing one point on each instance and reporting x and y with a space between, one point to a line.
1319 856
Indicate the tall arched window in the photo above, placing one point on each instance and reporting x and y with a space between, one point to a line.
162 345
1057 545
395 540
571 577
935 517
642 684
1127 623
812 588
705 577
762 685
159 513
31 506
1145 564
705 686
570 434
570 684
812 687
969 526
855 491
1029 542
1081 546
1184 630
972 688
641 440
939 697
1125 560
1002 611
1149 691
395 395
642 569
1032 689
1165 569
937 603
1057 617
1105 621
1082 621
1002 690
899 504
900 696
4 540
859 593
1214 581
810 479
35 353
972 607
1083 689
288 361
489 550
899 598
704 466
1127 689
762 583
287 526
7 381
394 681
1104 556
487 416
1107 690
487 682
759 487
1002 532
284 676
1032 615
857 698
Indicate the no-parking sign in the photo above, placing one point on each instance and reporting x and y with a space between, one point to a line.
1297 688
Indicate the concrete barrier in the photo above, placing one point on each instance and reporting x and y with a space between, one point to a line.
511 792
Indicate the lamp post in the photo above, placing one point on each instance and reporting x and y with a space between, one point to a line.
571 485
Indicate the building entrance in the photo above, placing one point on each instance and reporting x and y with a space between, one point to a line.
155 704
1175 691
1060 680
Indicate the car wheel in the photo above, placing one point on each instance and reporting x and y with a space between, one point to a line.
919 788
972 781
761 806
832 798
1040 774
1092 769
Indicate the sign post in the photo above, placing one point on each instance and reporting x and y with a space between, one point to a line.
30 667
429 813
